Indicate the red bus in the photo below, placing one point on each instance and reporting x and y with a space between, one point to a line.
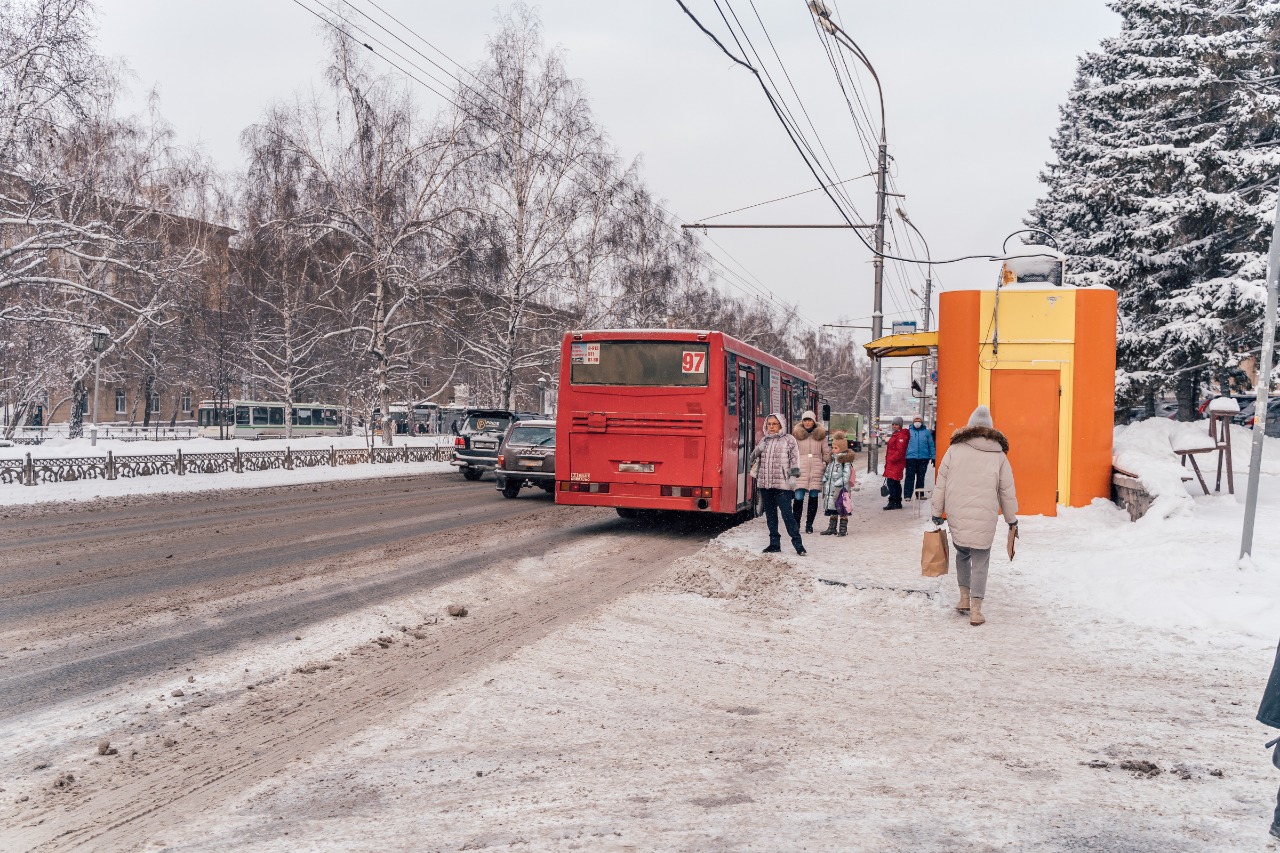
666 419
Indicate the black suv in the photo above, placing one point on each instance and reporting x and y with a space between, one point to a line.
478 434
527 456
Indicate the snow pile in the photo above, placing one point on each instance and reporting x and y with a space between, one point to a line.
721 571
1145 450
78 448
1179 576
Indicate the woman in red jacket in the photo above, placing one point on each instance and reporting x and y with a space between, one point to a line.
895 463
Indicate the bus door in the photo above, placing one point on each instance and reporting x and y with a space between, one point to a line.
746 430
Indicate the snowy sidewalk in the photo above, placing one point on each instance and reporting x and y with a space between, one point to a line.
743 704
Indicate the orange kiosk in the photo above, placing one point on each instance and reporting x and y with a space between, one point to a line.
1042 356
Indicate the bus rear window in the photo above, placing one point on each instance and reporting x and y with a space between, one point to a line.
639 363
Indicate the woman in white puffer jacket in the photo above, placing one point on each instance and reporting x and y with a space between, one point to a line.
975 485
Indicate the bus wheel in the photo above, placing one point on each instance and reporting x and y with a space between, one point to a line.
628 512
472 473
511 490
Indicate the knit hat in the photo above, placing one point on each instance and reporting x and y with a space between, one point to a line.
809 415
981 417
897 422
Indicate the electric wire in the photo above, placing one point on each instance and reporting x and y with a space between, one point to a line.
761 292
800 148
780 198
749 290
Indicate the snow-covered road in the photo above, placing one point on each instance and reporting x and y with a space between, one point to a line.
741 702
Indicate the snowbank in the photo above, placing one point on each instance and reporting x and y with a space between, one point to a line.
88 490
68 448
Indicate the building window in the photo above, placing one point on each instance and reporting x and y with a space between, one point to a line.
121 402
186 402
155 404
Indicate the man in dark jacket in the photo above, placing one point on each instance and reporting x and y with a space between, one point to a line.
920 452
1269 714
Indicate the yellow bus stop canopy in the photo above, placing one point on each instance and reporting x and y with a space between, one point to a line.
902 346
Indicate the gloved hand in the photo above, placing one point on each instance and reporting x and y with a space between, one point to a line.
937 521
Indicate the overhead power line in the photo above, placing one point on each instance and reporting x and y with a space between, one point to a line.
800 146
728 276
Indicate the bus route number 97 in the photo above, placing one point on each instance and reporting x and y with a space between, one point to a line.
693 362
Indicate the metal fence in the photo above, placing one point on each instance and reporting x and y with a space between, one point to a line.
32 472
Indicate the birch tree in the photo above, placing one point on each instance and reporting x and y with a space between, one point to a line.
377 182
540 165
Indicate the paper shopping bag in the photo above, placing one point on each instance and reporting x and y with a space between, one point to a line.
935 556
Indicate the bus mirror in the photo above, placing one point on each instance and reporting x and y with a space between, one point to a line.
826 412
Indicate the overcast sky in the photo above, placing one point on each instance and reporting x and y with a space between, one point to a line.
971 89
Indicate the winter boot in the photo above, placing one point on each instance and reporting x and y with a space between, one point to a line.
963 605
831 528
775 547
844 526
796 507
975 612
811 515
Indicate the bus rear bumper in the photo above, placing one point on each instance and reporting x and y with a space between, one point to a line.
639 496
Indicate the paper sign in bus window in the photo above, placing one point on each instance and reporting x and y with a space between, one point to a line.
693 362
584 354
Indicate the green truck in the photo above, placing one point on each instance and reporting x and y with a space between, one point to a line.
853 424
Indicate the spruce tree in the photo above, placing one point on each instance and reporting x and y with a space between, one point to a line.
1164 184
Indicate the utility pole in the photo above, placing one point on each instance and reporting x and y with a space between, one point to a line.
1263 389
877 310
928 307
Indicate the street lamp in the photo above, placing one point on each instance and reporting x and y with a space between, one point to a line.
840 37
542 395
100 337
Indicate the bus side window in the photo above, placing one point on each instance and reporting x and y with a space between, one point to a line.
731 382
277 415
242 415
304 416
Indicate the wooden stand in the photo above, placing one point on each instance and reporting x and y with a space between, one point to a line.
1220 432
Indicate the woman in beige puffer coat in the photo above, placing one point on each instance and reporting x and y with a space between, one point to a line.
815 453
975 485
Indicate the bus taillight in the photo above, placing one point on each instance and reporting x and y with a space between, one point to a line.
597 488
685 492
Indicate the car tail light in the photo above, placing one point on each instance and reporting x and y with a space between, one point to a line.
685 491
597 488
502 460
459 442
1250 422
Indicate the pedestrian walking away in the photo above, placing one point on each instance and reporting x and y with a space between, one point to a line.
895 463
838 481
815 453
920 452
1269 715
974 486
776 480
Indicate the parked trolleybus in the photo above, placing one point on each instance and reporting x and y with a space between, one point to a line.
667 419
252 419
